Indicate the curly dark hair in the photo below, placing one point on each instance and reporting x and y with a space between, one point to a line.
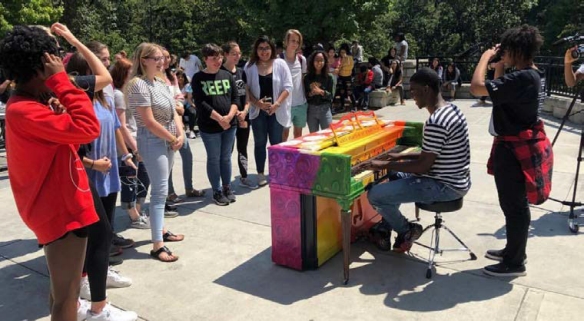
22 49
310 63
522 42
427 77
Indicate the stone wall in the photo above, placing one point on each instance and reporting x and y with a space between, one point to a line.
558 106
462 92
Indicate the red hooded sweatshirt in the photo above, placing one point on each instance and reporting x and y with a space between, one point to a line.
47 177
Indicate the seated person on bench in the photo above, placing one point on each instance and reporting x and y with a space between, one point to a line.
439 173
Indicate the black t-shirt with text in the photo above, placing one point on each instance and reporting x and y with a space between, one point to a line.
240 80
517 98
213 92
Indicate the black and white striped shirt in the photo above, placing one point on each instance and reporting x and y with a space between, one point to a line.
446 135
144 93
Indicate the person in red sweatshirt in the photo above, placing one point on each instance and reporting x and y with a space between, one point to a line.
363 86
47 178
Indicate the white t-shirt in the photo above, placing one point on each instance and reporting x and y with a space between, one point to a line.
581 69
398 48
297 69
190 66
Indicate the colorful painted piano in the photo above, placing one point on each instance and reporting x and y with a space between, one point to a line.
315 177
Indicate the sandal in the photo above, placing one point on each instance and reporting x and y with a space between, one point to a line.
195 193
173 198
167 259
171 237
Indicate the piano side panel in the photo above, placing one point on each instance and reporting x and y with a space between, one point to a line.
328 229
292 167
286 228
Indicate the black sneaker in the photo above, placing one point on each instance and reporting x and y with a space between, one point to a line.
403 243
170 208
502 269
228 192
122 242
498 255
115 251
220 199
113 261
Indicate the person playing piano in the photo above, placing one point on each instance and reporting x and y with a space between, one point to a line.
439 173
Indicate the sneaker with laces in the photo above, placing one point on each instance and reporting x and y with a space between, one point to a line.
84 290
245 182
115 280
141 223
220 199
111 313
404 241
503 270
82 307
192 135
228 192
262 181
122 242
170 214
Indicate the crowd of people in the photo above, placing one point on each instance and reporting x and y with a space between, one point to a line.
82 130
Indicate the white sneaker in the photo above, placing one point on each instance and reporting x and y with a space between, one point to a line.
115 280
111 313
192 135
262 181
141 223
82 309
84 291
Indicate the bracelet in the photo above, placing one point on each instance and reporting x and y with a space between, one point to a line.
127 156
92 163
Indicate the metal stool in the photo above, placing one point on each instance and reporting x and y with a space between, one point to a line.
438 208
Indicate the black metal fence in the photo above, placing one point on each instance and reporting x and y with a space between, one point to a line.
553 67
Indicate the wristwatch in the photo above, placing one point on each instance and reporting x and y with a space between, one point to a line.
127 156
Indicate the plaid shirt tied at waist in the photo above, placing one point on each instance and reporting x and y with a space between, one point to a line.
533 151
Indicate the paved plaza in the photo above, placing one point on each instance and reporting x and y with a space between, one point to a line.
225 270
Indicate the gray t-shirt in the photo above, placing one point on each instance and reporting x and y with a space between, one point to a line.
120 102
297 69
377 76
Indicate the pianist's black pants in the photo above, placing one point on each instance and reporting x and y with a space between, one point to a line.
510 183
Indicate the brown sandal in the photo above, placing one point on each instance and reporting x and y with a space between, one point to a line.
167 259
171 237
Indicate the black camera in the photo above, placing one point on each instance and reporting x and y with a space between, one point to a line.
579 52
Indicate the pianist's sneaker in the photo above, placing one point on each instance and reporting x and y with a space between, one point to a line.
404 241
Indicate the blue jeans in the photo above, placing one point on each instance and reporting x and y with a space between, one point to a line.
387 197
264 127
158 159
219 147
187 167
319 116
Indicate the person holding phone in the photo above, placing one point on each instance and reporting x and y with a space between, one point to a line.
269 84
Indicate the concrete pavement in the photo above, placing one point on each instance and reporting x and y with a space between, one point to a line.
225 270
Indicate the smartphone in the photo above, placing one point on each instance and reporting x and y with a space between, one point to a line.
127 171
267 100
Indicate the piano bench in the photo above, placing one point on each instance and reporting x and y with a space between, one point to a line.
438 208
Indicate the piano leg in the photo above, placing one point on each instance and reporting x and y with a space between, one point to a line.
346 233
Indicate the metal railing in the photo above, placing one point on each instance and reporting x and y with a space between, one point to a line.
552 66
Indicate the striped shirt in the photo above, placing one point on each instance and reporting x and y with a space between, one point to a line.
446 135
143 93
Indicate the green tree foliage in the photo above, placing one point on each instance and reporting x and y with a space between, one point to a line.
30 12
432 27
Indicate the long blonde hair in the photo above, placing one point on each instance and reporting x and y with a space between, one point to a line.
143 50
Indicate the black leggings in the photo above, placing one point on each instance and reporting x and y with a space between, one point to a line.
242 136
98 247
109 204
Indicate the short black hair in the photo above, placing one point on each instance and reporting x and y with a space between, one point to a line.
22 49
427 77
211 49
523 42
